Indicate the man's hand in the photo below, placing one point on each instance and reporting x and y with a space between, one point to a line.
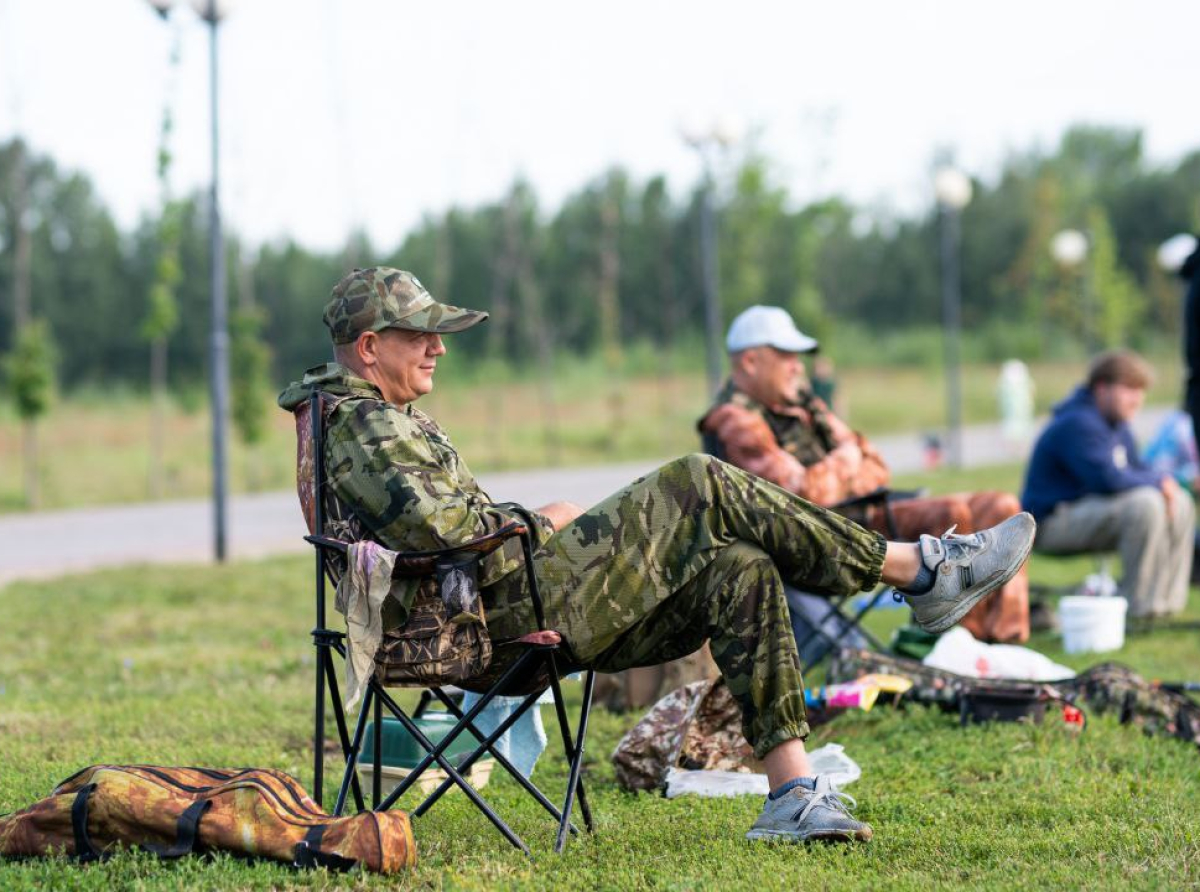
848 457
560 513
1170 491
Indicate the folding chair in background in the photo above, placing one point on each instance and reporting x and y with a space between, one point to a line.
524 667
832 630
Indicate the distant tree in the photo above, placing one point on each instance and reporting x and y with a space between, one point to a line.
159 323
1120 303
250 361
32 382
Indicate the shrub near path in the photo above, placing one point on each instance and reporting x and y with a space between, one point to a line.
212 667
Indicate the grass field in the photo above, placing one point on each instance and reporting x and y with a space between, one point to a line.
212 667
95 448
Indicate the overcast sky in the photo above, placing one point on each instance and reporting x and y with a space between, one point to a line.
371 113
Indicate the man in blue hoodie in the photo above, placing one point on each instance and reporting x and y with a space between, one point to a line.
1089 490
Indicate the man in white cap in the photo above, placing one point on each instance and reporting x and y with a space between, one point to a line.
767 420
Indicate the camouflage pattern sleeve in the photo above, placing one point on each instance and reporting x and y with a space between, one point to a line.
401 476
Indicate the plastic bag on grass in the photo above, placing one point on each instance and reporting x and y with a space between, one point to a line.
830 760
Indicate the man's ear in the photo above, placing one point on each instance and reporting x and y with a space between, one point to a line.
366 348
748 361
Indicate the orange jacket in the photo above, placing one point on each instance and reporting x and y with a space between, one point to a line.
853 468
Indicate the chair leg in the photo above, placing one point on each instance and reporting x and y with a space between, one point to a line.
423 703
487 745
574 755
377 775
853 622
585 712
319 729
435 754
350 773
339 714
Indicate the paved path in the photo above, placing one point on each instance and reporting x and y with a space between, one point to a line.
58 542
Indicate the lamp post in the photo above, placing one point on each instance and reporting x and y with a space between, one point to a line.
1069 247
953 191
708 141
212 12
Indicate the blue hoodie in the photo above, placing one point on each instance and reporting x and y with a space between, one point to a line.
1080 453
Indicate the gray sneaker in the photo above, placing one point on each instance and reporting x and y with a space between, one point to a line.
801 815
967 568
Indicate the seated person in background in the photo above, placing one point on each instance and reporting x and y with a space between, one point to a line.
1091 492
767 420
695 551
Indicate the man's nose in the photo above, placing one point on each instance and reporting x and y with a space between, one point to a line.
436 346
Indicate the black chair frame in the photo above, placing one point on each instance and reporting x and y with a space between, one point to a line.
536 657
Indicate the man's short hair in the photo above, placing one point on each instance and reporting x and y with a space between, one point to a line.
1120 367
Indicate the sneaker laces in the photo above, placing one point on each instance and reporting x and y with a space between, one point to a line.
959 547
827 793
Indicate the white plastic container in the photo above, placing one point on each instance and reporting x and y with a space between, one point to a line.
1091 624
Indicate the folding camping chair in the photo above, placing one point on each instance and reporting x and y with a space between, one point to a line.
539 661
836 625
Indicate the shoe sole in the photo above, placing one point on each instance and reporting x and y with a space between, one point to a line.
863 835
981 590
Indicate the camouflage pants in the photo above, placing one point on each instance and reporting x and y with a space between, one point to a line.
697 550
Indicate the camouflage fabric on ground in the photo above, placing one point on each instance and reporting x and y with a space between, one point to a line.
694 727
1105 688
1113 687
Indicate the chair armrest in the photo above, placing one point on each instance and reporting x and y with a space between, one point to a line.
880 496
327 542
423 563
874 497
411 564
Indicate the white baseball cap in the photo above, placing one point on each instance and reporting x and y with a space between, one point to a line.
760 326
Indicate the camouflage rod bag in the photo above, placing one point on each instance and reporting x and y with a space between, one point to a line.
174 811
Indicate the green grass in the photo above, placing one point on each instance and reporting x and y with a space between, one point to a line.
95 446
212 667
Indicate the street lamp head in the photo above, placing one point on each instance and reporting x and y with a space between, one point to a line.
727 130
1069 247
952 188
212 11
1175 250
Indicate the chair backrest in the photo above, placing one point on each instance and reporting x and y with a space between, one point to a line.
308 448
325 514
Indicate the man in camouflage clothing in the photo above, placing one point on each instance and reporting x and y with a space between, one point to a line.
695 550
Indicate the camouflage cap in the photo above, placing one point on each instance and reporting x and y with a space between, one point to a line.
381 297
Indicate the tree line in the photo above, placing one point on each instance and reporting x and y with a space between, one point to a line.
616 263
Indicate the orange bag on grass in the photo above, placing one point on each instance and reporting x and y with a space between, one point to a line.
174 811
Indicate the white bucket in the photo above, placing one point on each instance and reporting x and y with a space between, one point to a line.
1092 624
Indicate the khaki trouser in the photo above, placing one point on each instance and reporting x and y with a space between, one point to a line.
697 550
1155 548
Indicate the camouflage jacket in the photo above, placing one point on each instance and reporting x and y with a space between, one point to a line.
802 446
400 475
